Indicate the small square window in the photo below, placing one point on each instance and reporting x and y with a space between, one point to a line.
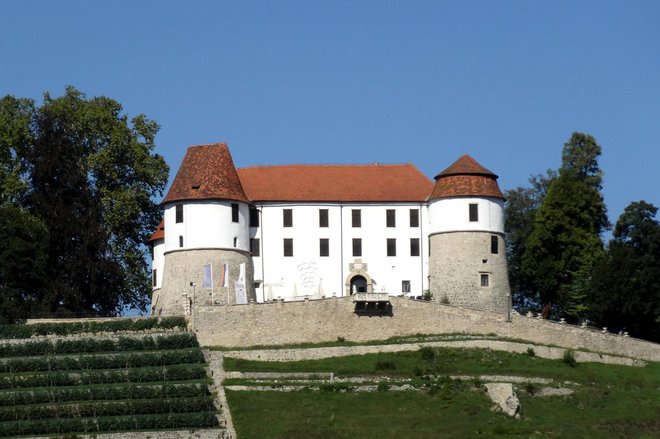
179 213
390 218
391 247
485 279
405 286
474 213
234 212
288 247
287 218
323 218
324 247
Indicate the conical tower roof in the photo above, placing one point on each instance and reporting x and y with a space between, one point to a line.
466 178
206 173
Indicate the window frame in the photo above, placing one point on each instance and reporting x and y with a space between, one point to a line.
356 218
254 217
484 280
324 218
357 245
288 247
415 249
390 218
414 218
235 213
494 244
473 212
405 286
178 214
391 247
255 243
287 217
324 247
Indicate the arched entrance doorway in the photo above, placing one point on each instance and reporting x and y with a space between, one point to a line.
358 284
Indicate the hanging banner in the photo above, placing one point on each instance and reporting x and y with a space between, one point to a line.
241 293
224 276
207 279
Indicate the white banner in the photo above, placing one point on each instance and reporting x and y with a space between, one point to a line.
207 279
241 293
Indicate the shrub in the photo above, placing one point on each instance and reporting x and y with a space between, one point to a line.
427 353
530 352
385 365
569 358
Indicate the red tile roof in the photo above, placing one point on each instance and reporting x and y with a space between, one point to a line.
159 233
206 173
347 183
466 177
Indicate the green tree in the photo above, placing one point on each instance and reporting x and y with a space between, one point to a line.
565 242
15 136
625 291
23 257
520 211
91 177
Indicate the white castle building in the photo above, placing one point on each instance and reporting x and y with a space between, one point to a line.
257 234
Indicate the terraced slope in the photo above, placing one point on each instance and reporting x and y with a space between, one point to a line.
98 380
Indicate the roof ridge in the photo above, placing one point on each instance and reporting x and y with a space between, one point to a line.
327 165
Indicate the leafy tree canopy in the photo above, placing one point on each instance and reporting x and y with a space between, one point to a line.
565 241
89 175
625 290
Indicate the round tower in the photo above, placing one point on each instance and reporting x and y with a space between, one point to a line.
206 235
467 262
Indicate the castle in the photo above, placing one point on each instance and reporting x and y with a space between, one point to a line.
267 233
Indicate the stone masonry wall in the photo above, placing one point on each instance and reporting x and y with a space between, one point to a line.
324 320
456 262
185 266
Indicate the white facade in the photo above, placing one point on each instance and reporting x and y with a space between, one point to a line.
158 263
453 215
206 224
307 273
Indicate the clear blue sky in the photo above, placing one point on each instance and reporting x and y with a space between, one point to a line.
363 81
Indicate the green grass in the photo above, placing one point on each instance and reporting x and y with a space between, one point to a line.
610 401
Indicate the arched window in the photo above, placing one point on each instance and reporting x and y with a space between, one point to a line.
180 241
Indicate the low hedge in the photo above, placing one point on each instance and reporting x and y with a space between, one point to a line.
104 392
107 408
178 372
107 361
141 324
54 426
91 345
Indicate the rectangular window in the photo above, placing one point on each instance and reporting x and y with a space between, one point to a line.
179 213
254 217
494 244
390 218
288 247
414 218
474 213
391 247
287 218
405 286
414 246
254 246
324 247
323 218
356 217
234 212
357 247
484 279
154 278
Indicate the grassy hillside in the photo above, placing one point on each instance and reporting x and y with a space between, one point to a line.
133 377
607 401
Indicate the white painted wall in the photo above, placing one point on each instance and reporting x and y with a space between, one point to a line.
452 215
158 262
206 224
307 273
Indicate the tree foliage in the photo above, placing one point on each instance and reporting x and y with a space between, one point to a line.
565 242
87 173
625 291
520 211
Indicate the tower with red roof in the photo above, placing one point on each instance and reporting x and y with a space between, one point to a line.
467 262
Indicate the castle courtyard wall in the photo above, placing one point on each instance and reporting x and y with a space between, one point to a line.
314 321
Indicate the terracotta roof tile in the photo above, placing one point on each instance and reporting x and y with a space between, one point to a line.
348 183
207 172
159 233
466 177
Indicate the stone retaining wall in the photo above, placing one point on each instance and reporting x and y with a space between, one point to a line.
314 321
